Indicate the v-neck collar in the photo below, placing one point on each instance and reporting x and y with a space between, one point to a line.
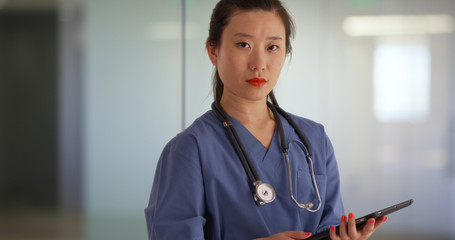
256 151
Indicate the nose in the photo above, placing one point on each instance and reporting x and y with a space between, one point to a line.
257 61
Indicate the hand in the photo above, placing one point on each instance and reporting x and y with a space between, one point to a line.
348 230
289 235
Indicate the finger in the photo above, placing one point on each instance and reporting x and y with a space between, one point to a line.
343 233
297 234
379 222
352 229
369 227
333 234
307 235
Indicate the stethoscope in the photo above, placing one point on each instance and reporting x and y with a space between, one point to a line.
262 192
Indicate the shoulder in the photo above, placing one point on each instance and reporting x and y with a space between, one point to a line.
308 126
199 132
314 132
305 121
319 142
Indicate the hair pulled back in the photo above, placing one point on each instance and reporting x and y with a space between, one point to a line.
221 14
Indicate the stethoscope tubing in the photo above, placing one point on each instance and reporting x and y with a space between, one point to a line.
302 136
249 167
238 146
285 149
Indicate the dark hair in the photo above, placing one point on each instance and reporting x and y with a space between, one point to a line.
224 9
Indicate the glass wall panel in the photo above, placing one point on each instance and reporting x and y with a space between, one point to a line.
132 107
198 68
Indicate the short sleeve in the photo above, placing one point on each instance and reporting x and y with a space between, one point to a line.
176 207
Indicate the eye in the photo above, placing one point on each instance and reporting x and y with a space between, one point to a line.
243 44
273 47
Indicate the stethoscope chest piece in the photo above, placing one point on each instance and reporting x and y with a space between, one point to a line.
264 193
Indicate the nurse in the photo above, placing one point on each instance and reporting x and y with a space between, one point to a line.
201 190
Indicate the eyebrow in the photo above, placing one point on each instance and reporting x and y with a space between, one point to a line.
251 36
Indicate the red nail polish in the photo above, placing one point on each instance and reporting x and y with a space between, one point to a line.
308 233
343 218
372 221
332 228
351 216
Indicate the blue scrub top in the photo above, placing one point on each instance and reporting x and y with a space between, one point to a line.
201 190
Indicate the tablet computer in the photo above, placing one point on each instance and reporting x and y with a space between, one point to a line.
359 222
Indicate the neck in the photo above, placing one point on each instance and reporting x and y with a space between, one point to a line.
247 112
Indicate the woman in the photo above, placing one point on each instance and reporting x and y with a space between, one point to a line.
202 190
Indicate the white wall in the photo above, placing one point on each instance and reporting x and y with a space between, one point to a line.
331 80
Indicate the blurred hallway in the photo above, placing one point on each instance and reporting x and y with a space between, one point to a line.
33 224
40 224
91 91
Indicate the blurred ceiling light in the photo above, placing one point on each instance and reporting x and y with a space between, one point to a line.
383 25
171 30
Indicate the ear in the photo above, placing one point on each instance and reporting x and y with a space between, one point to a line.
212 51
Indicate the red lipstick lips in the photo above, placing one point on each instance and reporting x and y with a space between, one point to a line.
257 82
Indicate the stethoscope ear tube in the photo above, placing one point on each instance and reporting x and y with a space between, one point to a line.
306 143
307 206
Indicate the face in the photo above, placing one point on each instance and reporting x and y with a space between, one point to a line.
251 54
